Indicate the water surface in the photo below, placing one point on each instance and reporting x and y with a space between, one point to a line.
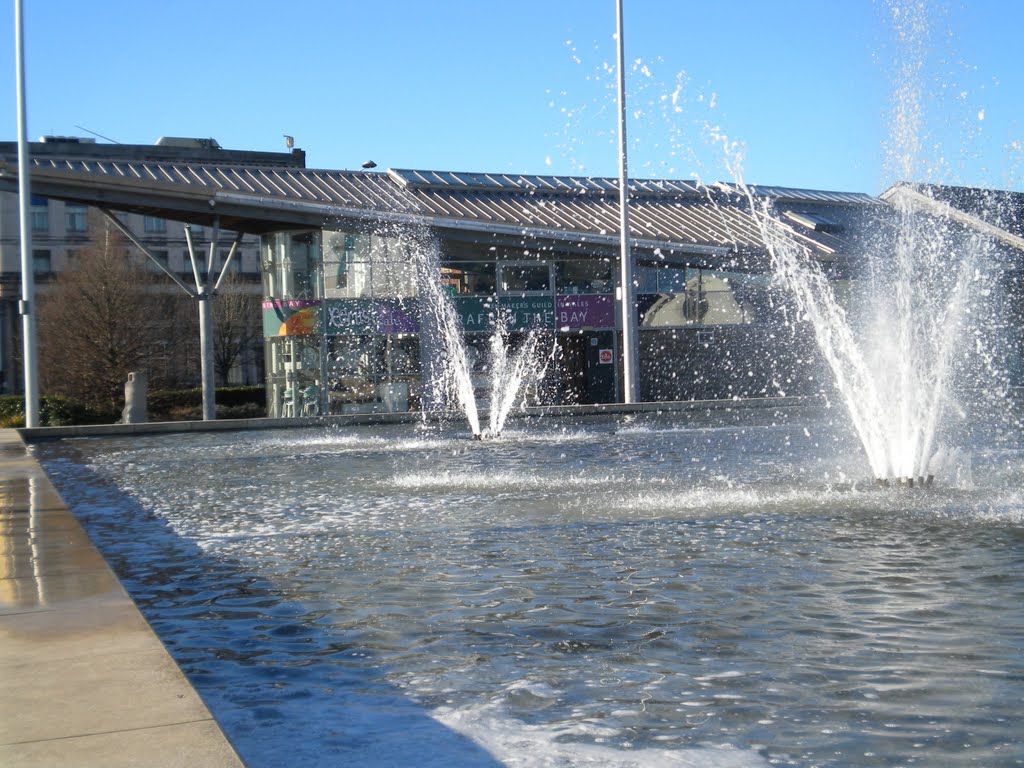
597 593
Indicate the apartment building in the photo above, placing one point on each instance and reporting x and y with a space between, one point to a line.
61 229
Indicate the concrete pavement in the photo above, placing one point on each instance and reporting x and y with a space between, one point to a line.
84 681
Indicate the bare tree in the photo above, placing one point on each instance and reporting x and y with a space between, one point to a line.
237 325
105 316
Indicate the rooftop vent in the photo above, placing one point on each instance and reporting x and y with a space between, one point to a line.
187 143
813 221
65 140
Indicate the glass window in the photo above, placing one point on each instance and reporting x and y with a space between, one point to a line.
236 261
186 262
584 276
41 262
367 265
40 214
342 254
706 298
152 225
663 279
525 278
291 262
161 257
76 217
293 376
469 277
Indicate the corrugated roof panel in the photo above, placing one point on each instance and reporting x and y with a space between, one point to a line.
672 212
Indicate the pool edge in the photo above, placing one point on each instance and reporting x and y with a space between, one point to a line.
87 681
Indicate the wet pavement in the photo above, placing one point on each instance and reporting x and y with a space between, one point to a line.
86 682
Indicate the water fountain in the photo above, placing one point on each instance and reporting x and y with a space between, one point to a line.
510 371
902 355
894 371
452 378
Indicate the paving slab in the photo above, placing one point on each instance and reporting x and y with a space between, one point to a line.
86 681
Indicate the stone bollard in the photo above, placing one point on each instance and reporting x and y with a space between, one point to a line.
135 393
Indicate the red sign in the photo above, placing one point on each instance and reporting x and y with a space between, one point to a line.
604 356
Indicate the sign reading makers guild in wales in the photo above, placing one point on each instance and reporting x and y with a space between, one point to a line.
520 313
524 312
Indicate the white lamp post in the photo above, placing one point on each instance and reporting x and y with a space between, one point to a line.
26 307
627 291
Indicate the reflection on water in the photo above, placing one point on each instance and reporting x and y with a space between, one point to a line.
589 594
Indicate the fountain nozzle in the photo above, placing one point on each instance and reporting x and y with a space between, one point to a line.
922 481
478 436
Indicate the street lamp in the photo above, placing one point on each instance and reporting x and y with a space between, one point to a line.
26 307
627 291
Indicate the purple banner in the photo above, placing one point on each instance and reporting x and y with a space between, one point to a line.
396 319
584 311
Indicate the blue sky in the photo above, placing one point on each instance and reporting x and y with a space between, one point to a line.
804 86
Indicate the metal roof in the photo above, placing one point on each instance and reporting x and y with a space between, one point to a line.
997 214
674 216
1000 208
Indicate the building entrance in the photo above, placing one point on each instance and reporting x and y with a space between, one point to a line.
588 367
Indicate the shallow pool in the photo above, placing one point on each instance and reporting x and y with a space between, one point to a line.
603 592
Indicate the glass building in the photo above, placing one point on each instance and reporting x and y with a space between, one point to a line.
350 329
351 264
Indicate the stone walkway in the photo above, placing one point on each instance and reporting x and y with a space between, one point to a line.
84 681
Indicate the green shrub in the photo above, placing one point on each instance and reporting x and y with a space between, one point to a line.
12 408
163 405
54 411
187 404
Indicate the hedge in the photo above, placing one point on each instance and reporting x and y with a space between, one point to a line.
54 411
163 405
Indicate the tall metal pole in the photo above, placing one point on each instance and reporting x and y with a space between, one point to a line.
627 291
26 307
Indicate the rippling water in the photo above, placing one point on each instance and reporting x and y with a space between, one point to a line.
591 594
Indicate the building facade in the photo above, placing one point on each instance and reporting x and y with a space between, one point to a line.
359 270
61 229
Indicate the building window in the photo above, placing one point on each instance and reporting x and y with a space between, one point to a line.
152 225
518 278
200 263
77 217
40 214
236 261
161 257
41 262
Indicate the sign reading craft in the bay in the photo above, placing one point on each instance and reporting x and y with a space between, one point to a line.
524 312
588 310
476 313
520 313
364 316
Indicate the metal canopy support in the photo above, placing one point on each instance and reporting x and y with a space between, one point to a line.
192 258
227 261
135 241
204 295
627 290
26 307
